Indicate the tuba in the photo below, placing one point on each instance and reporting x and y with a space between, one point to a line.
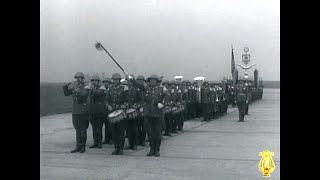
199 81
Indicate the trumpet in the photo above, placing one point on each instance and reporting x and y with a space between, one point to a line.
73 85
217 99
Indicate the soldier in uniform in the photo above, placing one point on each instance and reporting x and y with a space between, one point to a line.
168 115
205 101
141 130
117 99
97 110
184 96
248 85
198 105
133 101
155 97
212 101
80 111
225 97
107 126
217 101
176 101
220 97
241 99
231 95
190 108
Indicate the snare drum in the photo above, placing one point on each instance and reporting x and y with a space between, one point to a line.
167 110
132 113
175 110
116 116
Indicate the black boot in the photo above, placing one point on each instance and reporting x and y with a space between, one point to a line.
157 148
151 153
77 149
114 152
143 143
93 146
99 145
83 149
128 147
120 152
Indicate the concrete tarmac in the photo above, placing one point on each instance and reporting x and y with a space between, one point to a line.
219 149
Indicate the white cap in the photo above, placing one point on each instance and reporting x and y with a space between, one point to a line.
198 78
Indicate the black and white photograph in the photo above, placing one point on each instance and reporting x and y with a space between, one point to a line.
159 89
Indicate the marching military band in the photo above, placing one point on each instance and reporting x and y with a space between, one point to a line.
147 109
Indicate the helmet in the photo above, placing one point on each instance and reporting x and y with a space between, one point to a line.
79 75
95 78
187 81
165 82
140 77
107 80
172 82
153 77
116 76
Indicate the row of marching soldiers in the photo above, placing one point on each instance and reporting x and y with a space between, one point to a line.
140 109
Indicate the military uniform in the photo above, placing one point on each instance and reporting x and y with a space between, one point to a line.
249 98
168 114
97 111
141 130
212 101
241 98
176 100
205 101
132 128
198 104
117 98
107 125
231 95
191 101
183 113
80 111
154 98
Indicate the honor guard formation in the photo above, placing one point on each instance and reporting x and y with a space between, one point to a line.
145 109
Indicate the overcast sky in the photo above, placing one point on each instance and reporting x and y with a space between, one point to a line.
164 37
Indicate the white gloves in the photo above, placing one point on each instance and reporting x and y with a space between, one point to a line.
160 106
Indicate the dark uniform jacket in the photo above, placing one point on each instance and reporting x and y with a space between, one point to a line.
80 97
153 96
185 97
176 96
241 93
205 95
135 96
191 94
97 98
116 96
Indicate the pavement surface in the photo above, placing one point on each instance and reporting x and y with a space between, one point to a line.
220 149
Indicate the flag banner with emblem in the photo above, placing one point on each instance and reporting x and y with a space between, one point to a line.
233 66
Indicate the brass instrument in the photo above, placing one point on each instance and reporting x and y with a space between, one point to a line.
199 81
